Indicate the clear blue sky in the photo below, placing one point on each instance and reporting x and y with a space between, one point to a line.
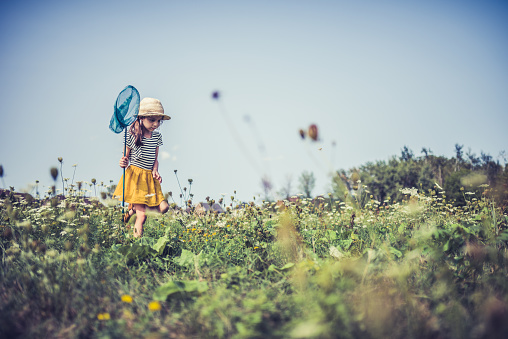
373 75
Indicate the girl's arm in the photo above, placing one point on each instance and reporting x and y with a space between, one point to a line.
124 161
155 168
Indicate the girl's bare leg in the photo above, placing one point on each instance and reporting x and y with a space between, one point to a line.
163 207
140 219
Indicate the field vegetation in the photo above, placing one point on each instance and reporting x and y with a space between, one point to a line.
353 264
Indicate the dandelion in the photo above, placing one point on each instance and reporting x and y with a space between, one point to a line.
126 298
103 316
154 306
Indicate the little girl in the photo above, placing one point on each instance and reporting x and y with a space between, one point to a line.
142 178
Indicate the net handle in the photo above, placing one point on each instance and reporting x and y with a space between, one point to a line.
124 151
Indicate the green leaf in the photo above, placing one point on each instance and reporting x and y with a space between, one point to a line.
402 228
161 244
332 235
503 236
287 266
395 252
186 258
446 246
179 288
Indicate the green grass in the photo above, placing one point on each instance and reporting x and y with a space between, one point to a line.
418 268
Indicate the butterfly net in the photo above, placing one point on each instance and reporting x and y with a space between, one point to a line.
126 109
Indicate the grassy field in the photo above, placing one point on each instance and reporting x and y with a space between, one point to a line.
417 268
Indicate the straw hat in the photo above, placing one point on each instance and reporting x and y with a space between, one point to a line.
150 107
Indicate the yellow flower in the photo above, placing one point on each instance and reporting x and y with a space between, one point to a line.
103 316
256 247
126 298
154 306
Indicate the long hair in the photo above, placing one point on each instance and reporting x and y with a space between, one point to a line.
137 130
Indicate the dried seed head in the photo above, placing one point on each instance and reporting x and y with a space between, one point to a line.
54 172
302 133
313 132
1 171
94 181
60 159
215 95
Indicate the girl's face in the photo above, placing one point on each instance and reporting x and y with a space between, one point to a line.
151 123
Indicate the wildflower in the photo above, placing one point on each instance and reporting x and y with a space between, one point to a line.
103 316
256 247
313 132
154 306
126 298
411 191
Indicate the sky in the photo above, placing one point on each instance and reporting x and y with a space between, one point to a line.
373 76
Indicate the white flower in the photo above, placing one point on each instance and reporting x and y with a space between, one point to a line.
412 191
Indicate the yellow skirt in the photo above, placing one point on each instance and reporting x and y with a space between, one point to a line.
140 187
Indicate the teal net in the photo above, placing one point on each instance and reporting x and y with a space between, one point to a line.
126 109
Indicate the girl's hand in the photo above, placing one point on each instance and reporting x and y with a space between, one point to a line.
124 162
157 176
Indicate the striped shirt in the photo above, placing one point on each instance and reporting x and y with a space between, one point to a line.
144 156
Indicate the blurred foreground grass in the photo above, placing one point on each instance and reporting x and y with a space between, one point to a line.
419 268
